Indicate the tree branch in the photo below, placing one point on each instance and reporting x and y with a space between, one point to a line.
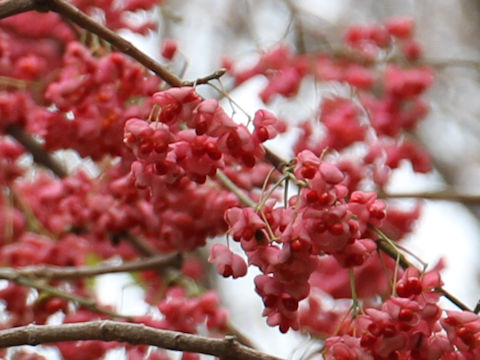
454 300
205 79
40 156
226 348
279 163
439 195
14 7
73 272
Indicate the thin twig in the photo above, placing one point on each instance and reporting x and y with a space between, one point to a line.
439 195
297 27
75 272
12 275
107 330
453 299
206 79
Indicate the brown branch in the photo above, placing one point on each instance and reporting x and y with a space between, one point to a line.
477 308
40 156
14 7
440 195
453 299
279 163
226 348
73 272
206 79
350 55
393 254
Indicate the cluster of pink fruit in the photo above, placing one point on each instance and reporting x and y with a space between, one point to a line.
160 152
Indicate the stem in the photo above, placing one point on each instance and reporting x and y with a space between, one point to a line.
353 288
267 196
395 276
107 330
232 103
235 189
397 249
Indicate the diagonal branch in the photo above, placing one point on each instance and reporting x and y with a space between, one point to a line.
226 348
67 10
40 156
70 12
